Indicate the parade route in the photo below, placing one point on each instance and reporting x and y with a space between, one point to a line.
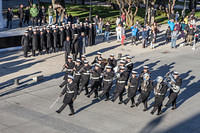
25 108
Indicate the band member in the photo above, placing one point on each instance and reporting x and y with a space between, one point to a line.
25 43
129 64
70 92
132 89
107 82
42 42
120 85
77 74
146 86
62 37
112 61
85 77
97 57
160 89
83 58
174 86
75 46
69 67
55 40
95 80
49 40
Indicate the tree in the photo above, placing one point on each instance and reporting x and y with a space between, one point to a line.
126 7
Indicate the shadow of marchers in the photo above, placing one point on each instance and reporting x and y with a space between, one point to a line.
152 124
190 125
94 101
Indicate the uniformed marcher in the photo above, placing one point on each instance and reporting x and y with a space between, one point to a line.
95 80
25 43
49 40
55 40
129 64
83 58
85 77
70 92
62 37
97 57
42 41
108 76
67 47
146 87
145 70
77 74
75 46
120 85
35 42
69 67
132 88
160 90
174 86
112 61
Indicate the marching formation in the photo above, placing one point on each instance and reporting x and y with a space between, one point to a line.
72 38
104 75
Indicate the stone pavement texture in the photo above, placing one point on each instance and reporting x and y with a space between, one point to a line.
25 108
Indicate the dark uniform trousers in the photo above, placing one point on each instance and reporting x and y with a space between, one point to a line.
84 83
106 89
94 87
120 87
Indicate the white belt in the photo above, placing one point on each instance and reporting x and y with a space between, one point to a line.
77 74
132 86
107 80
94 77
70 92
86 73
121 81
69 69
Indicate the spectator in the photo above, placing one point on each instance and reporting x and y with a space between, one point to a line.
190 35
123 19
119 32
21 15
177 16
34 14
168 35
43 15
174 36
123 35
118 21
186 20
107 31
145 36
27 15
134 31
50 13
9 18
100 25
171 24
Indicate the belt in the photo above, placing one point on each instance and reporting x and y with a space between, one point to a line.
86 73
95 77
70 92
121 82
77 74
108 80
69 69
132 86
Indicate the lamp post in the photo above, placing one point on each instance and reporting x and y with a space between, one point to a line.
90 14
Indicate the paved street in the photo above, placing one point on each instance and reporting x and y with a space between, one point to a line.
25 108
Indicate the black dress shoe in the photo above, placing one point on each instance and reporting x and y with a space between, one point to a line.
159 113
173 108
137 104
88 96
71 114
144 109
152 112
58 111
120 102
133 105
107 99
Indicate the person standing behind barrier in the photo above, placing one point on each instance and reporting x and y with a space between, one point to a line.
9 18
21 15
119 32
50 13
27 15
107 31
174 38
123 35
34 14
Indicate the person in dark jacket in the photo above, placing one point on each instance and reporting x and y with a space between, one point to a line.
120 85
108 76
75 46
27 15
55 40
174 90
96 59
69 67
62 38
9 16
112 61
49 40
21 15
35 42
160 90
85 77
82 44
95 80
132 89
42 41
70 92
90 35
168 35
77 74
146 87
25 43
67 47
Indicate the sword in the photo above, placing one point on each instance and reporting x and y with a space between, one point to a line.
53 104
